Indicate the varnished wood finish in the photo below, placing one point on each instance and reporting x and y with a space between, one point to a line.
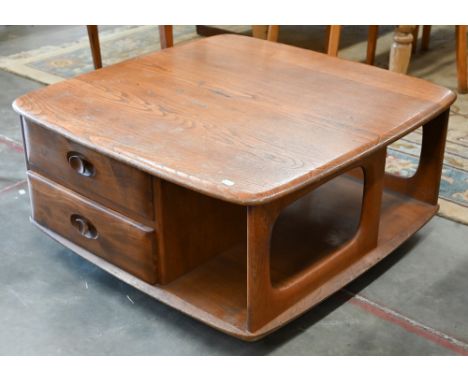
424 184
460 31
119 240
124 188
373 34
266 166
426 37
260 31
215 292
194 228
333 40
400 217
400 52
235 115
166 36
273 32
415 33
93 35
265 301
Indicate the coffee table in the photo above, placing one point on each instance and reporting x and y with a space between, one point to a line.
237 180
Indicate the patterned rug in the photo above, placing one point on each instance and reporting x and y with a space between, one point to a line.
50 64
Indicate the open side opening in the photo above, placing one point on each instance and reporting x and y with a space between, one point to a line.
305 233
403 156
204 252
315 226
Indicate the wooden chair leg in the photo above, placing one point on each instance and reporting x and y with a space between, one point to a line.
414 44
166 36
93 35
372 43
460 31
260 31
273 32
400 53
333 39
426 37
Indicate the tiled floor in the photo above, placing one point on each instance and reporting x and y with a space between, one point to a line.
53 302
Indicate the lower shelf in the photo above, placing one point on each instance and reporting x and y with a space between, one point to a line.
215 292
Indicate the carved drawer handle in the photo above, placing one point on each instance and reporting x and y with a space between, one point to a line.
84 226
80 164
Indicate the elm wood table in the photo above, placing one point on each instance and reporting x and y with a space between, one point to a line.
237 180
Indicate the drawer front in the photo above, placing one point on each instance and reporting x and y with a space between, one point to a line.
103 179
123 242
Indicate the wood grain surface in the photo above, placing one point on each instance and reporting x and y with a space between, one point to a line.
193 228
216 291
109 182
121 241
237 118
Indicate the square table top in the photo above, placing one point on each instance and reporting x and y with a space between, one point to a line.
237 118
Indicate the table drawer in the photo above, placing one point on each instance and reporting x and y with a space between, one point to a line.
120 240
88 172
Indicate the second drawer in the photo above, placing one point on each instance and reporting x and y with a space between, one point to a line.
122 241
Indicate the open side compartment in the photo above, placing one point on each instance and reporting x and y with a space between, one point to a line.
327 219
331 213
215 291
